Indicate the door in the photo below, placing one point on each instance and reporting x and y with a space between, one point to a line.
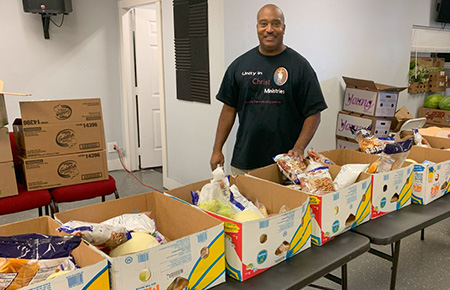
147 87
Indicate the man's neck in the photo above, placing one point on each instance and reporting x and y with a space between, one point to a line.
272 52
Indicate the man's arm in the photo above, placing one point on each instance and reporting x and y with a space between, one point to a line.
309 128
226 121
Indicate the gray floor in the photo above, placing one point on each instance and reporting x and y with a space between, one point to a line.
423 264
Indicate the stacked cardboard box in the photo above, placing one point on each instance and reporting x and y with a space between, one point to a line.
8 184
61 142
435 78
366 103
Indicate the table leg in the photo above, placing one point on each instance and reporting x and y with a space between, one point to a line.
422 234
344 277
395 256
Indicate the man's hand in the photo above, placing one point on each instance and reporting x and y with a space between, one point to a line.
217 159
297 154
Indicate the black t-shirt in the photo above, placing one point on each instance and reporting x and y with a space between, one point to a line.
273 96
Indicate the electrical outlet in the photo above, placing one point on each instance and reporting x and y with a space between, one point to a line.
110 146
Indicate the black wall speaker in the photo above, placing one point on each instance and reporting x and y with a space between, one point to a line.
443 11
48 6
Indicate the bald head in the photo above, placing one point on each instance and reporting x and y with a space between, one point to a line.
273 8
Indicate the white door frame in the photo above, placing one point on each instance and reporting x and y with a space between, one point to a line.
131 159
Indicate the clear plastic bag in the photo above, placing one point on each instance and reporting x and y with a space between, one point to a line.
317 157
317 181
290 167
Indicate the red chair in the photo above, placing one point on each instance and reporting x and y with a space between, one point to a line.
25 200
83 191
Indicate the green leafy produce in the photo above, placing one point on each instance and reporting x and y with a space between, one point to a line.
444 104
218 207
432 101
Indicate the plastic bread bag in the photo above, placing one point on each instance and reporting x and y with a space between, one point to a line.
100 235
290 167
367 142
392 157
317 157
348 175
240 202
262 208
317 181
32 258
134 222
214 196
313 165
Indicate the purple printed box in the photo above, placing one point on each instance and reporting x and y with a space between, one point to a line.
380 126
368 98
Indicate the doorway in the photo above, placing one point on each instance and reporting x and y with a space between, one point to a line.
143 97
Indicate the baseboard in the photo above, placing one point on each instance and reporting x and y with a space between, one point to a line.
170 183
114 164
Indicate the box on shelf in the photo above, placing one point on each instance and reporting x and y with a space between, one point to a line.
435 116
417 88
195 250
58 139
254 246
332 213
431 181
62 170
60 111
429 61
8 183
437 137
367 97
346 143
5 145
380 126
93 272
391 190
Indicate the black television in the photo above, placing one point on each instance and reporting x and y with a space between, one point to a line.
47 6
443 11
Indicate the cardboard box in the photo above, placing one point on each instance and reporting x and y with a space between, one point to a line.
368 98
380 126
3 114
346 143
391 190
431 181
93 274
437 86
5 145
191 233
253 247
429 61
435 116
59 139
335 212
437 137
8 184
60 111
62 170
418 88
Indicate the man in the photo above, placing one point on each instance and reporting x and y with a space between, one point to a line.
275 93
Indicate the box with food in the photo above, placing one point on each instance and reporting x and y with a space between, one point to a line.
35 113
58 139
62 170
368 98
8 184
346 120
254 242
437 137
43 259
346 143
333 211
391 190
431 174
152 241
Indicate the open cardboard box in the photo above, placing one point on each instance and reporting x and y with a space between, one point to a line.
93 274
391 190
335 212
191 233
254 246
369 98
431 181
437 137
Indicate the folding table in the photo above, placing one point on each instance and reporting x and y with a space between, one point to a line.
302 269
391 228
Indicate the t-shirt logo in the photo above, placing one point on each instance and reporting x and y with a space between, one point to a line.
280 76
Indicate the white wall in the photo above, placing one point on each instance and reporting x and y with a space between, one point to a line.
80 60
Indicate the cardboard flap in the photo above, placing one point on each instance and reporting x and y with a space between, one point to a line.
360 84
382 87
